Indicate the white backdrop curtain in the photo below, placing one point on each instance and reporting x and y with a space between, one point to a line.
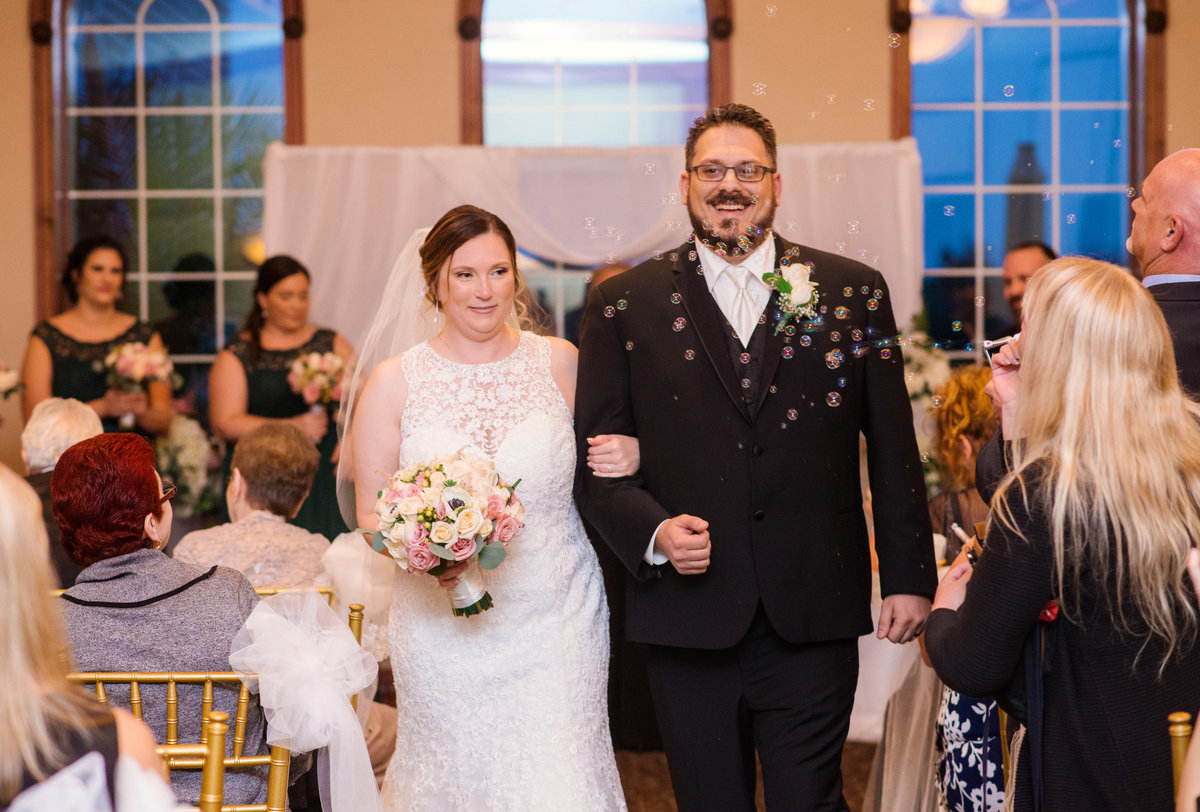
346 212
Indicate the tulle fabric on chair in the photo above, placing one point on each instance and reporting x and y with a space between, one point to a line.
308 664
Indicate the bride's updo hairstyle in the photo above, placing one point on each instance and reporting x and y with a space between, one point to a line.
457 227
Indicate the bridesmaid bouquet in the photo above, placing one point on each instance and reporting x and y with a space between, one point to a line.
445 510
317 377
130 367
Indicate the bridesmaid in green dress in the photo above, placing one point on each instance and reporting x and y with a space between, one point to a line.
248 383
61 359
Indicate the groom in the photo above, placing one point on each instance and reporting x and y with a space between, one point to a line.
743 532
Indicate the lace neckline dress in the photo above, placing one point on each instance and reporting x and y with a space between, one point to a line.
505 710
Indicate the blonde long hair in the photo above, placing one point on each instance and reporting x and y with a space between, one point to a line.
37 699
1117 442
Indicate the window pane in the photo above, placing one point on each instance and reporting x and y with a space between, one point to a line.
518 129
1016 64
100 72
104 152
599 129
659 127
595 84
182 312
239 293
517 85
943 61
678 83
168 12
243 226
178 70
131 296
1092 8
1095 225
949 231
252 68
947 145
103 12
258 11
114 218
998 316
179 152
1016 146
1093 64
1037 9
178 227
950 307
1013 219
244 143
1098 152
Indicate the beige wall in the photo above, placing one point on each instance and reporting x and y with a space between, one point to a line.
386 72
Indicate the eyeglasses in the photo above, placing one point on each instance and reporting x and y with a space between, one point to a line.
169 491
712 173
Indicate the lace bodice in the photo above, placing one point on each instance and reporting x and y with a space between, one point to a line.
481 401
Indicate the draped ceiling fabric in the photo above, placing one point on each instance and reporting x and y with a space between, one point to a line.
346 212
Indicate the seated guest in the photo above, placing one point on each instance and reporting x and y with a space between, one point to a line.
46 722
134 609
55 425
1077 615
272 470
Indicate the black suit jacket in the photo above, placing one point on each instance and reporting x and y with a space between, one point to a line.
780 490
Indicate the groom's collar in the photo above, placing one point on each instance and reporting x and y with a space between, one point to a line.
758 262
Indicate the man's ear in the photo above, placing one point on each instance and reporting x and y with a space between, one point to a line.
1174 235
237 484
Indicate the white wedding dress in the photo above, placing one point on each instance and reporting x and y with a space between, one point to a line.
505 710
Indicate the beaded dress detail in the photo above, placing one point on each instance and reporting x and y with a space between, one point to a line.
505 710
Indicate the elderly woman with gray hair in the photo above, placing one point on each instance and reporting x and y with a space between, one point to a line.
55 425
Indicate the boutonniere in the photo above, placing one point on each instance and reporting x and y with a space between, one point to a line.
797 292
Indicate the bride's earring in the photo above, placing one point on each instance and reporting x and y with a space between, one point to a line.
437 307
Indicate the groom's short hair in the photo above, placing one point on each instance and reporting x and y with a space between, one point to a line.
737 115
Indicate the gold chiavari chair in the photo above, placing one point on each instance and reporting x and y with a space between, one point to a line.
276 762
209 757
268 591
1179 728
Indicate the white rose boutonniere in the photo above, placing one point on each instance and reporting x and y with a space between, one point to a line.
797 292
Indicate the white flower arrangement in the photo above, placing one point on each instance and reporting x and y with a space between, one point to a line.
926 369
185 456
797 292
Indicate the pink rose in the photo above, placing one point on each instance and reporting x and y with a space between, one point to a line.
463 549
495 506
506 528
391 496
294 379
409 490
419 532
420 559
336 393
311 392
125 366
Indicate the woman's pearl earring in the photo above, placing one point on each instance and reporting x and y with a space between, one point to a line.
437 308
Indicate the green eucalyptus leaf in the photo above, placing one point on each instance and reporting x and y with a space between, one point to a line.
492 555
377 542
441 552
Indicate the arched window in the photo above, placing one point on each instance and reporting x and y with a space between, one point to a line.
538 73
1029 116
155 115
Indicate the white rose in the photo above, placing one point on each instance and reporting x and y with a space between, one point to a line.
485 528
410 505
468 522
431 497
437 479
442 533
458 471
796 275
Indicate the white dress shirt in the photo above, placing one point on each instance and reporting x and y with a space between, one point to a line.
719 275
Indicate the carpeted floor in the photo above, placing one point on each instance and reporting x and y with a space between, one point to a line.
648 787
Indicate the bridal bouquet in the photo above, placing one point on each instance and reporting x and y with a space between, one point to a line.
445 510
317 377
130 367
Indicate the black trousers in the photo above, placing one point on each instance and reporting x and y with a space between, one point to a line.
789 702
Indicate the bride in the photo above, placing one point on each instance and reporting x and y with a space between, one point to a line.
503 710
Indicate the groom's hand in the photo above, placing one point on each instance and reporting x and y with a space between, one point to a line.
902 617
684 540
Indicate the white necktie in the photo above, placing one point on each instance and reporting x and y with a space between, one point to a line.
743 315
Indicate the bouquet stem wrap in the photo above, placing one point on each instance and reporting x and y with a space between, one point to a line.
304 663
469 596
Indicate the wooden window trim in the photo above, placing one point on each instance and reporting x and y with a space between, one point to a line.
47 19
470 28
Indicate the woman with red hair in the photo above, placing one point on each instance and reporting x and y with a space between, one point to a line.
135 609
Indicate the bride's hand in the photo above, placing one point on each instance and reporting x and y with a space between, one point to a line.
450 577
613 455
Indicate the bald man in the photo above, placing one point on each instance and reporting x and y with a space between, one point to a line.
1165 240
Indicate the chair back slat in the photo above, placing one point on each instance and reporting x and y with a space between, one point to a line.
172 713
212 782
1180 730
101 694
206 709
135 699
239 729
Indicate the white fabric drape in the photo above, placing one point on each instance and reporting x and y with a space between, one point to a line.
346 212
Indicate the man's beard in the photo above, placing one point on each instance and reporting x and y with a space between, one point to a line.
733 236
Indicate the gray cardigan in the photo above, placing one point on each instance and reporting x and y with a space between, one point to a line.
146 612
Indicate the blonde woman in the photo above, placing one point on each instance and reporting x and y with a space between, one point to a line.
46 723
1097 514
